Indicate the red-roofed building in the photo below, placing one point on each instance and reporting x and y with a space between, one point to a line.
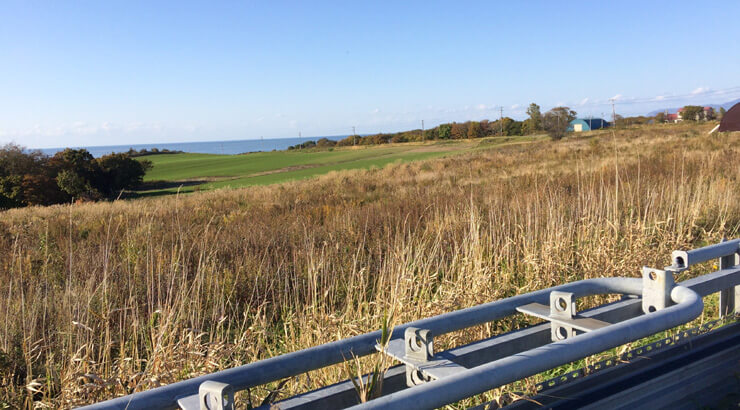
672 118
707 114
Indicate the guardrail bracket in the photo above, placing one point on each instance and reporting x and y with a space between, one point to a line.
416 351
564 322
656 289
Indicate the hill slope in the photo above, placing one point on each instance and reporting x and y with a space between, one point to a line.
125 296
190 172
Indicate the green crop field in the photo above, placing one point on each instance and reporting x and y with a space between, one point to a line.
189 172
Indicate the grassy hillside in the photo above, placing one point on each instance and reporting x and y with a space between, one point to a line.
104 299
190 172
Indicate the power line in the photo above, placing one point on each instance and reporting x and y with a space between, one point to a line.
728 93
668 98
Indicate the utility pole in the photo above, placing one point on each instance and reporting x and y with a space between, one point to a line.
501 120
354 136
614 112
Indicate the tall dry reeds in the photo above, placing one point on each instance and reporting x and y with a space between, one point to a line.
106 299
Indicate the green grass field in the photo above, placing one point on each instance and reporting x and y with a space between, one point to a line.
189 172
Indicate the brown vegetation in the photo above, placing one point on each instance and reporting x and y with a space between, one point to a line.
103 299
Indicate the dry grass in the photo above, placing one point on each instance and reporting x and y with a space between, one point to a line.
106 299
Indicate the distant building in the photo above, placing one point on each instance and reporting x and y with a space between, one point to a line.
707 114
587 124
672 118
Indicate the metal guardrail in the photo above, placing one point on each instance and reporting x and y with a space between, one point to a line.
653 304
690 369
636 353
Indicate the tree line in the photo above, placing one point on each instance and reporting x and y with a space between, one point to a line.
34 178
152 151
554 122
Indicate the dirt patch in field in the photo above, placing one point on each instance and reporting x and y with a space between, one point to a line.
456 146
286 169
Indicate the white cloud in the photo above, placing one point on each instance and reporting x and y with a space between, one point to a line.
377 110
89 133
700 90
584 101
482 107
617 97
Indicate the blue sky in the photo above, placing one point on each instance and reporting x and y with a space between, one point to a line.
123 72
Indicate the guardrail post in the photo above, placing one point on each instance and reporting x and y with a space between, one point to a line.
729 298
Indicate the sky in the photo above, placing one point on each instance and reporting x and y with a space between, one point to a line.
77 73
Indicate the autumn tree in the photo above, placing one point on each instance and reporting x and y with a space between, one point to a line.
33 178
512 127
325 143
459 130
18 170
120 171
535 118
485 128
42 189
474 130
692 113
555 122
78 173
445 131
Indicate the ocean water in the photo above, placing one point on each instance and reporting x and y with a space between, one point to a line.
204 147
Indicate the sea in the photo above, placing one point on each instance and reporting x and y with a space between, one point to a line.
204 147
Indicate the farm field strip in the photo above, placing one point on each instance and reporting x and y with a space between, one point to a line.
211 171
